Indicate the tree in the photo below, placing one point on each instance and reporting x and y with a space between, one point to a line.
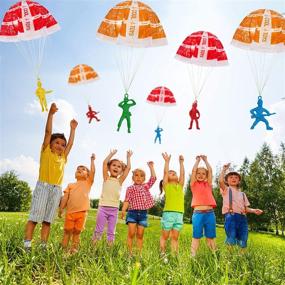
15 194
94 203
157 209
187 201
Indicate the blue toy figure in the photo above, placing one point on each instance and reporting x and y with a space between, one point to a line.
158 131
259 114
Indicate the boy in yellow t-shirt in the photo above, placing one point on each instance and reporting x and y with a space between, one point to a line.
47 194
76 202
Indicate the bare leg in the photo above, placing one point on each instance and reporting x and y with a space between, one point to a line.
163 239
140 233
45 231
75 241
194 246
29 231
174 241
66 238
132 227
211 243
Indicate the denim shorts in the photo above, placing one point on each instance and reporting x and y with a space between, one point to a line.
236 229
172 221
137 217
204 222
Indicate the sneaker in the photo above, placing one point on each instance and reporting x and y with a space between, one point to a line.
164 258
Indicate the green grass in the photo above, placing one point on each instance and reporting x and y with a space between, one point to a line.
262 263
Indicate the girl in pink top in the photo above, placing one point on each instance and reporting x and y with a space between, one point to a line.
203 203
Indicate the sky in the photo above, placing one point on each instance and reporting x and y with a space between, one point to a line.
229 93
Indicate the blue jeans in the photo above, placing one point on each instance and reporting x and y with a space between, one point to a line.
236 229
137 217
204 221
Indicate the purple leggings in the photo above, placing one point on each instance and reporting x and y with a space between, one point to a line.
105 215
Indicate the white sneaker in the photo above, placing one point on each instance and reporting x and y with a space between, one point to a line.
164 258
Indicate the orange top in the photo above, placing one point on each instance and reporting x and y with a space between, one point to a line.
202 194
76 196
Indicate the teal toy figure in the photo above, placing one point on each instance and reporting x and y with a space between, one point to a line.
126 104
259 113
158 131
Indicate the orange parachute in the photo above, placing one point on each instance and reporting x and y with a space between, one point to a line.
81 74
132 23
261 30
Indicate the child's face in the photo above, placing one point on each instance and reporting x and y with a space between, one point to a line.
138 177
115 168
58 146
233 180
81 173
201 174
172 176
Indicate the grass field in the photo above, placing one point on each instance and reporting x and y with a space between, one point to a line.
262 263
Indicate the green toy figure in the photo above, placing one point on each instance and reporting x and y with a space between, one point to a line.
41 94
126 104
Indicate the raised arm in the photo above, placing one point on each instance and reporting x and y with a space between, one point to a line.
194 170
182 170
209 168
48 130
73 126
128 167
166 158
151 168
105 163
222 177
92 168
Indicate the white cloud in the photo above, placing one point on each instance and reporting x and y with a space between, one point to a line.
25 166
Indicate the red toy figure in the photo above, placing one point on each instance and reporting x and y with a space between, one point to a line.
92 114
194 115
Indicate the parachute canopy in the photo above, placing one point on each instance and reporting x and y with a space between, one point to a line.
82 74
202 48
27 20
132 23
161 96
262 30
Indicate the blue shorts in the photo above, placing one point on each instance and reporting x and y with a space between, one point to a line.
236 229
172 221
137 217
204 222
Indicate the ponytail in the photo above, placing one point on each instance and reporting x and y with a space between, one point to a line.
161 186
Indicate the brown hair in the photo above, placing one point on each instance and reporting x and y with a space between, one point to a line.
88 171
57 136
230 174
122 163
161 186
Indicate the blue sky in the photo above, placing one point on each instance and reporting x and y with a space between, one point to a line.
224 105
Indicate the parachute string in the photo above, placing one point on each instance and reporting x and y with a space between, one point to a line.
160 114
261 66
128 64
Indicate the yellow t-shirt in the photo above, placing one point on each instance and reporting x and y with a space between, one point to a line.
51 167
174 198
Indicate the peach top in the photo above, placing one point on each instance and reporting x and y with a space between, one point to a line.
202 194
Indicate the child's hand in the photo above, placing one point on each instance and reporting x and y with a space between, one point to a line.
150 164
93 156
113 152
204 157
258 212
123 214
53 108
181 158
73 124
129 153
226 166
198 157
59 213
166 156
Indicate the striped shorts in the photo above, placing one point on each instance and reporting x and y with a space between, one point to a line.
45 201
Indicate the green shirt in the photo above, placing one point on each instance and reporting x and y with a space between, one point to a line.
174 198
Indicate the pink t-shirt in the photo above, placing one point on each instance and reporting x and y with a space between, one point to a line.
202 194
239 201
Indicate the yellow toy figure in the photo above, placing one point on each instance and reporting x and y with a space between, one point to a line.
41 94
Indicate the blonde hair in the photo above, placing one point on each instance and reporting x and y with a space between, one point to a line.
139 170
203 168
